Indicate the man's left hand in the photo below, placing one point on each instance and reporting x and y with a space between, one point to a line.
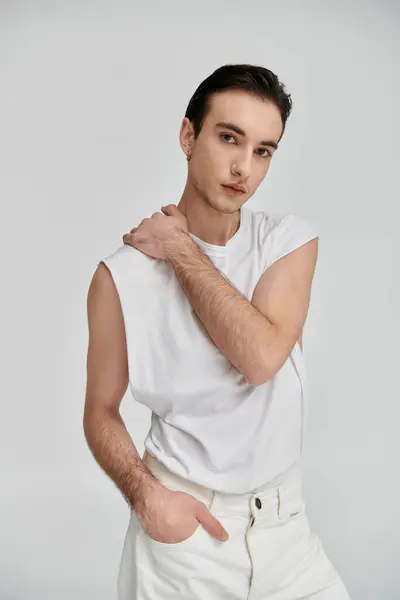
153 234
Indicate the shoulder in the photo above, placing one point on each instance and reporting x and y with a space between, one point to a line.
109 269
126 261
126 271
279 223
279 234
121 255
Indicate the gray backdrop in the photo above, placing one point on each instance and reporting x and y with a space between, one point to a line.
91 99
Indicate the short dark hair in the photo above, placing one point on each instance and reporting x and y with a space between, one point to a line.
254 79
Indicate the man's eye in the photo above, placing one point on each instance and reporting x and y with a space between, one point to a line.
267 155
227 135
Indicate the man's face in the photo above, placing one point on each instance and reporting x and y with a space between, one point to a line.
222 156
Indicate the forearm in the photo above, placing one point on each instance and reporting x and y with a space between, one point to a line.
115 452
236 327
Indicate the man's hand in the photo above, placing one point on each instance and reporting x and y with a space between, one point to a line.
172 517
151 236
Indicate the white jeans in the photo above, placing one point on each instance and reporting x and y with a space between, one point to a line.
271 552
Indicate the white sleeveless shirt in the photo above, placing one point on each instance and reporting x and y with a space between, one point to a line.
208 424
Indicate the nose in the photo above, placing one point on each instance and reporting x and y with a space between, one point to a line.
241 166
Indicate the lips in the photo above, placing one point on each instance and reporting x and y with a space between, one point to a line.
234 188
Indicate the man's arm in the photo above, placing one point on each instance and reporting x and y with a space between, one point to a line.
107 381
251 335
283 296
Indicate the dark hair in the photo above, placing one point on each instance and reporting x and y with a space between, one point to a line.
256 80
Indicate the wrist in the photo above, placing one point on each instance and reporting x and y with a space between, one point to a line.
146 490
175 241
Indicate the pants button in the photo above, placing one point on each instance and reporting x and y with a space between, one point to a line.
258 503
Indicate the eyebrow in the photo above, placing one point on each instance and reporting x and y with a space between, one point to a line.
240 131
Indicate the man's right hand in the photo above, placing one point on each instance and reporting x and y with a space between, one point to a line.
172 517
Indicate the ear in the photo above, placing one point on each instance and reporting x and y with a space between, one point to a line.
186 136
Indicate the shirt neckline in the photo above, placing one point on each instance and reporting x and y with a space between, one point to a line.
215 250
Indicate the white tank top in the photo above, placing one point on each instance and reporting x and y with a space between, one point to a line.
208 424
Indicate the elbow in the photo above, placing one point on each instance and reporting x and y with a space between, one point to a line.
89 424
263 373
95 417
259 378
268 369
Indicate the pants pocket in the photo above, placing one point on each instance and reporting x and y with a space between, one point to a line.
176 484
142 533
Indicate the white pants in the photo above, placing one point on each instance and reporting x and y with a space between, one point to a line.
271 552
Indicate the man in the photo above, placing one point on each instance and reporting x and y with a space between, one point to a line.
201 312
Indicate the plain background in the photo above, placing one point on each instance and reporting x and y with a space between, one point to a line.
91 100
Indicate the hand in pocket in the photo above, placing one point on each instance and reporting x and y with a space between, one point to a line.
171 517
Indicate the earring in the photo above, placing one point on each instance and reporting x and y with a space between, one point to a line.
188 156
